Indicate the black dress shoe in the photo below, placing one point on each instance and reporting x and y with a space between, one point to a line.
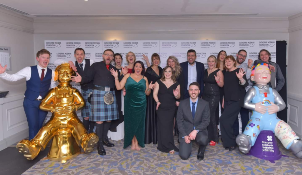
232 148
107 143
101 149
200 154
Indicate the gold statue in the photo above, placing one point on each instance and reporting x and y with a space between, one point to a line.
64 127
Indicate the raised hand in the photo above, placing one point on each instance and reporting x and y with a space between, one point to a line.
217 78
240 74
145 58
176 92
77 78
260 108
151 86
157 105
114 73
249 63
124 70
72 66
272 109
2 69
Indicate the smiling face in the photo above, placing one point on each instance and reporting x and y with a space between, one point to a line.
130 58
262 75
118 60
108 57
194 92
171 63
211 62
138 68
155 61
222 56
191 57
241 56
229 64
43 60
168 73
264 56
79 56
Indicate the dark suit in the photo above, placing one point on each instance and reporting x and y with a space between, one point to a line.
186 124
184 78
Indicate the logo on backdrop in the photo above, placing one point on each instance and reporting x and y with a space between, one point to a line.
187 44
201 54
50 45
63 55
87 55
266 44
227 44
73 45
150 44
130 44
92 44
169 44
111 44
207 44
246 44
98 55
253 55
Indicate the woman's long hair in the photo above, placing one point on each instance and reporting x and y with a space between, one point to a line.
173 77
218 59
177 65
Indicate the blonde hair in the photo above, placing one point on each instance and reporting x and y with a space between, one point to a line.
212 56
128 56
177 65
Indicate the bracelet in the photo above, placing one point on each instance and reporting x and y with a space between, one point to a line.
157 102
148 89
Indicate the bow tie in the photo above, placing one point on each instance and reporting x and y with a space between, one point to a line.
262 86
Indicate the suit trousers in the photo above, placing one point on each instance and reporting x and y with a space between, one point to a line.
227 119
185 149
244 114
35 116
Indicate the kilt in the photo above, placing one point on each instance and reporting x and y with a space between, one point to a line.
86 110
100 110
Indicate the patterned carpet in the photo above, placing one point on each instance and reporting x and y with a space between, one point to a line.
150 161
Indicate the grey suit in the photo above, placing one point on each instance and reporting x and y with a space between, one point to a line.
186 124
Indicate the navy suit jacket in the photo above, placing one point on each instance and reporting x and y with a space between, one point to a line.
184 78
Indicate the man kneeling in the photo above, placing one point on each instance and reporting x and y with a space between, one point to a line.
193 118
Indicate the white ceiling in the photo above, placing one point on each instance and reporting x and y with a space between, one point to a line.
263 8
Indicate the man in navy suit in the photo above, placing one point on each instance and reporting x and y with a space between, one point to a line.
38 81
192 71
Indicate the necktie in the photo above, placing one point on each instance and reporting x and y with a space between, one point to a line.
42 75
81 66
193 109
107 66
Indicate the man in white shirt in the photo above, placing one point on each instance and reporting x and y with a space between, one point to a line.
38 81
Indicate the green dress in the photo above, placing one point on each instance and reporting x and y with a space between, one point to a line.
135 111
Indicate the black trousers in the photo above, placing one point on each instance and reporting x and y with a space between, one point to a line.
244 114
185 149
227 119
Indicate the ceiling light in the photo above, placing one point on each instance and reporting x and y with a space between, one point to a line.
86 0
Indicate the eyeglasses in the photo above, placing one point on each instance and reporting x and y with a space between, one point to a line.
108 55
244 56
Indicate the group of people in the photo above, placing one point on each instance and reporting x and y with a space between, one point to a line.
154 103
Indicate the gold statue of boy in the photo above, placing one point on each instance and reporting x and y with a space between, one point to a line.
64 127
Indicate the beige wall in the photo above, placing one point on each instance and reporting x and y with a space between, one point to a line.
16 32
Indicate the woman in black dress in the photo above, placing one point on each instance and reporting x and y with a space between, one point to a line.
234 92
166 91
153 73
213 79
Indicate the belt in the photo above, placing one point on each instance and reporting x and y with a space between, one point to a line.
101 88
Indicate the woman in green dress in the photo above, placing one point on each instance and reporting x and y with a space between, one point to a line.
134 104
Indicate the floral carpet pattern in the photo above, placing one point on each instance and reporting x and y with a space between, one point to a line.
151 161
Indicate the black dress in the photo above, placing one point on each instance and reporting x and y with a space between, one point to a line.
211 95
150 123
165 117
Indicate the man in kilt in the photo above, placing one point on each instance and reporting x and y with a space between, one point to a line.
83 65
103 101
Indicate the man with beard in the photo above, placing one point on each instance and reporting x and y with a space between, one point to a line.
83 65
240 63
193 118
192 71
103 100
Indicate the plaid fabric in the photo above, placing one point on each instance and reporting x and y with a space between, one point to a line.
86 110
100 110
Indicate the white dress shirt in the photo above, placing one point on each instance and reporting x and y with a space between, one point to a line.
26 73
192 74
